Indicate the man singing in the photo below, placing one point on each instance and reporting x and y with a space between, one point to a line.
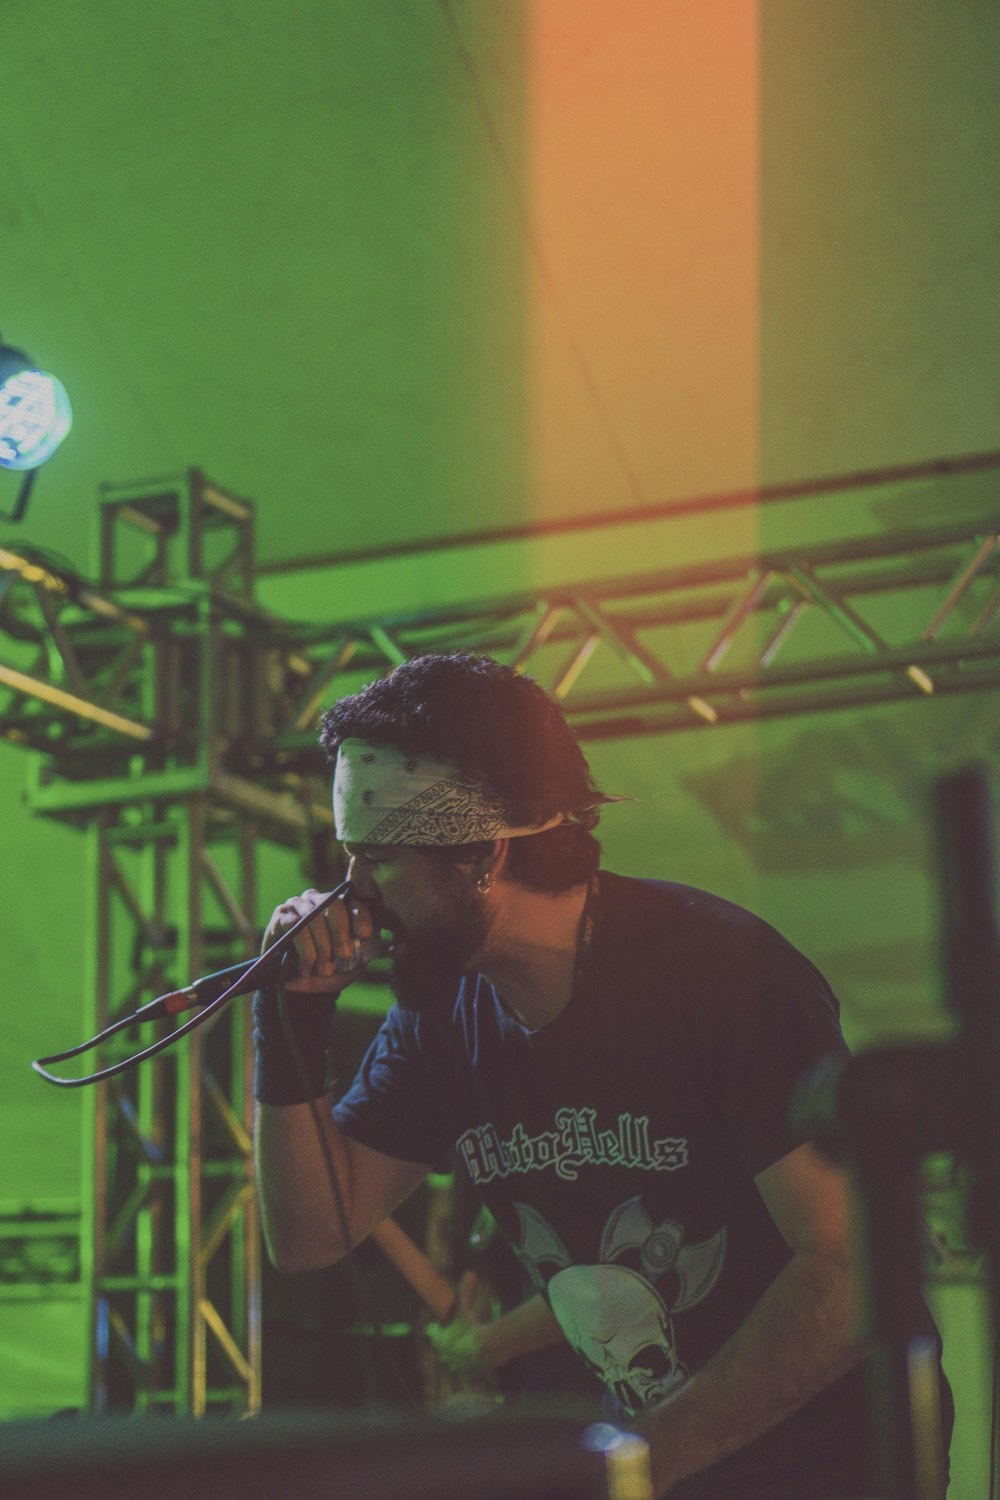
611 1060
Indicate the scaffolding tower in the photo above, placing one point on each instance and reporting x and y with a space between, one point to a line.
139 709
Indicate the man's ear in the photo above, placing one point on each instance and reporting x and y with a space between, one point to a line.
490 866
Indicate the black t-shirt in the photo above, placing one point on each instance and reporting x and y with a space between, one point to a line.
617 1146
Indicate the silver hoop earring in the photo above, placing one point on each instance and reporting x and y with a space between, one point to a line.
484 882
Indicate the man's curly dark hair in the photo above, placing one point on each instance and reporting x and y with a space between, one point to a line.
499 727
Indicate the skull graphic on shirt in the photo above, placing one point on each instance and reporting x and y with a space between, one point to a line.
614 1317
619 1326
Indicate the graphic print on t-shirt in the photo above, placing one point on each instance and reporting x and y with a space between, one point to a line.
615 1318
577 1141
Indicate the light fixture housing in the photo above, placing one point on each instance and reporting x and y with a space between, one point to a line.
35 414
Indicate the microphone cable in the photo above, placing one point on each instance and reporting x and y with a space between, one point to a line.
358 1293
281 947
239 985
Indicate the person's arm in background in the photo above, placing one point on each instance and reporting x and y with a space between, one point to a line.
469 1345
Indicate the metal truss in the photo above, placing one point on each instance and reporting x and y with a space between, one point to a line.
154 675
173 1256
116 679
854 623
39 1250
131 709
950 1255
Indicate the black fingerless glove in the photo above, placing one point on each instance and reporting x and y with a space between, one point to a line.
276 1077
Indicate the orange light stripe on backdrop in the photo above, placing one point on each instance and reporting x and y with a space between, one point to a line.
643 214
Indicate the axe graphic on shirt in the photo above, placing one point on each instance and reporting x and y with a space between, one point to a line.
661 1249
629 1228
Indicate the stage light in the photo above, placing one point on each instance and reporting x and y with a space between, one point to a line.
35 412
35 416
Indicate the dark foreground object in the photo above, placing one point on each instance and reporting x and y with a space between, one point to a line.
311 1456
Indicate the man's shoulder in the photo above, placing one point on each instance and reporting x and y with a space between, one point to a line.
673 901
427 1030
709 947
693 924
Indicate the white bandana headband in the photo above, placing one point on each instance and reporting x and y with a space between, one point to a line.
381 796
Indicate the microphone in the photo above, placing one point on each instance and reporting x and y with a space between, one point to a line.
266 971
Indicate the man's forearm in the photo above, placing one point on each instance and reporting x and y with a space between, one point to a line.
301 1222
467 1347
523 1330
308 1195
797 1340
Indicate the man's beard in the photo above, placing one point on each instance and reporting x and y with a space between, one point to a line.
429 964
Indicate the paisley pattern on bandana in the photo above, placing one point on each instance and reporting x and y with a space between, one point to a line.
449 812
